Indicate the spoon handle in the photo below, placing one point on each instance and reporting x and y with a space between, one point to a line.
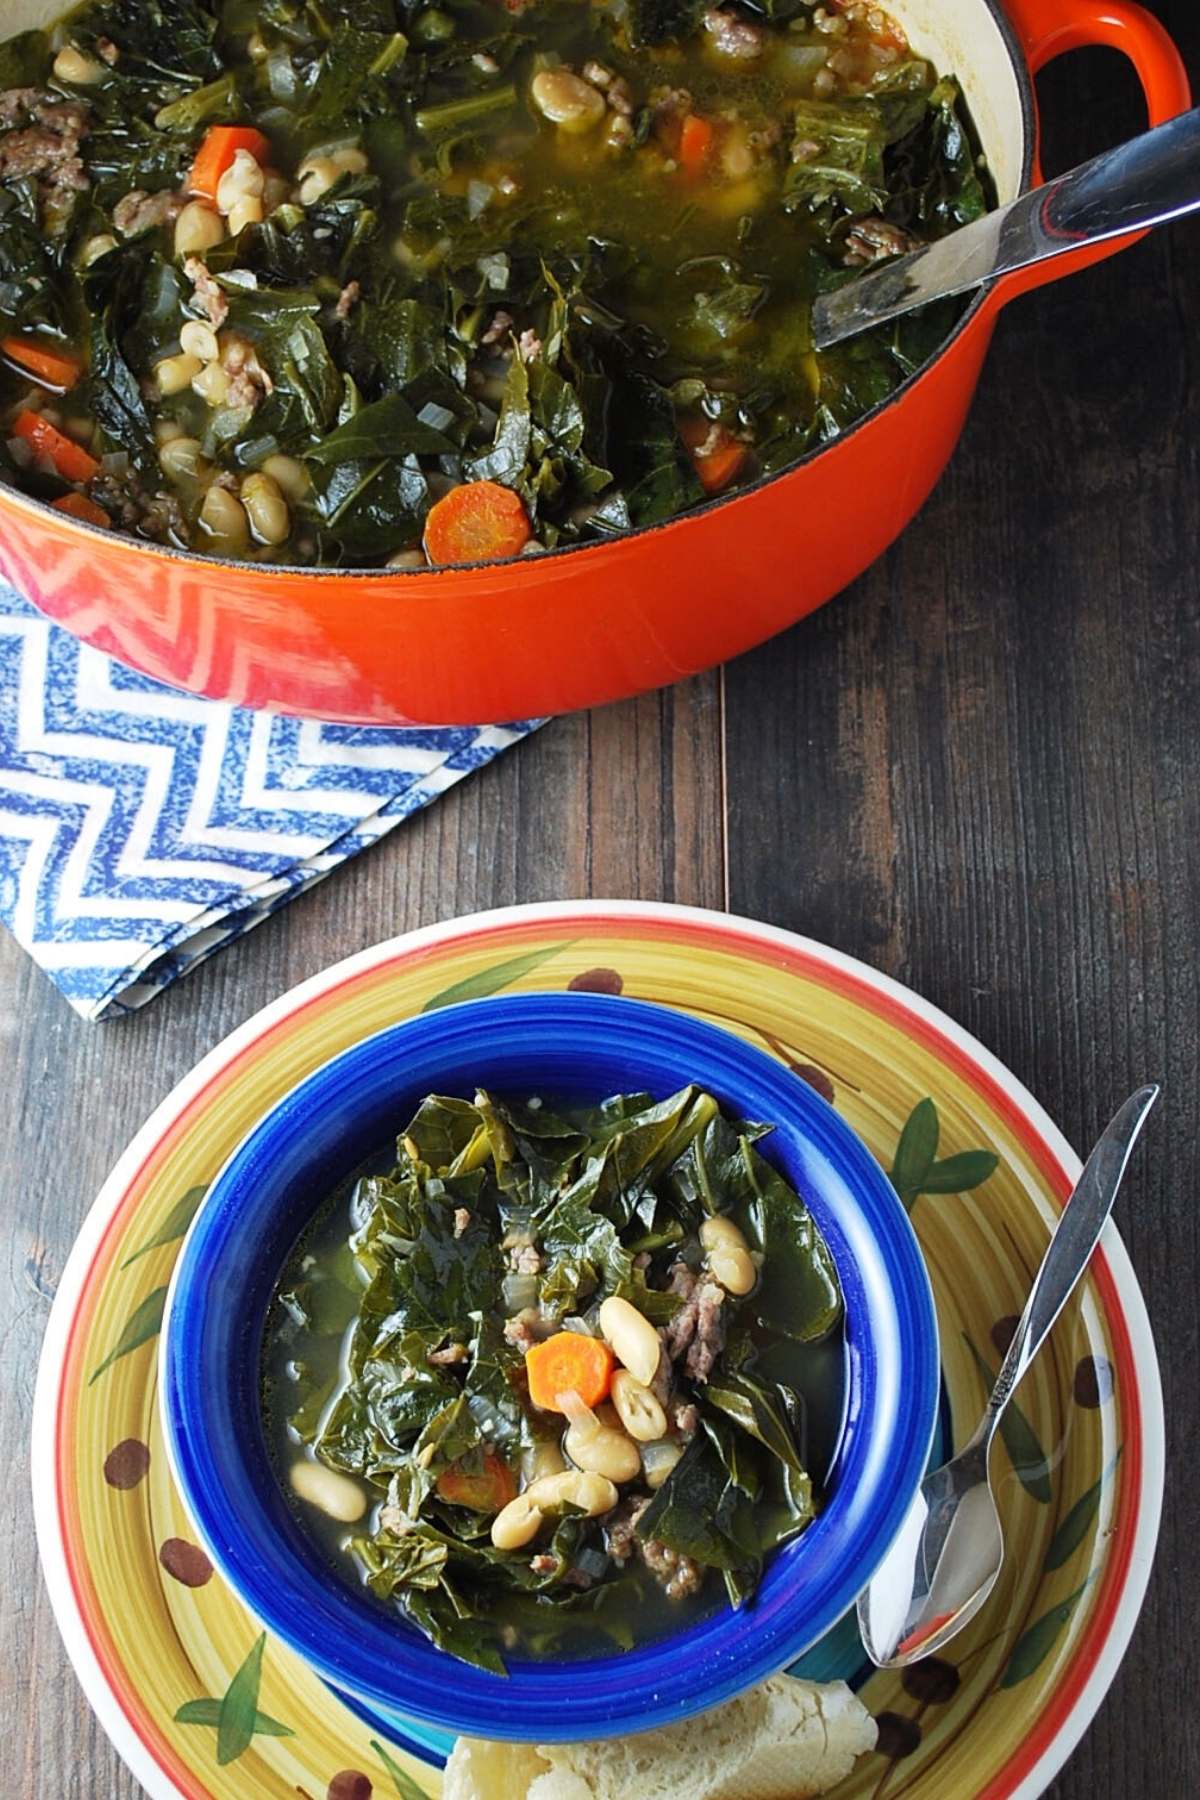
1151 179
1070 1249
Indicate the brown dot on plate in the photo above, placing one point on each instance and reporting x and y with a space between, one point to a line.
596 981
898 1736
1003 1332
186 1562
1093 1381
351 1784
126 1463
932 1681
816 1078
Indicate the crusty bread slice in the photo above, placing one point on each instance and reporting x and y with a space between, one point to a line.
479 1769
786 1740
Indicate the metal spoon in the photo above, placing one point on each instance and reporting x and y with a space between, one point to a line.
1150 180
945 1560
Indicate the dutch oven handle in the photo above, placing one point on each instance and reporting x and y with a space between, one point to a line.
1049 28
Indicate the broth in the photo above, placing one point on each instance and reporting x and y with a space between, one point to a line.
423 278
310 1367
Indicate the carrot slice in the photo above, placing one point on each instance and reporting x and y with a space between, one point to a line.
477 522
717 456
218 148
695 141
484 1488
57 368
80 507
70 459
568 1363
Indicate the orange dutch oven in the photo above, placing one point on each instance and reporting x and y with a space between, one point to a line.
575 627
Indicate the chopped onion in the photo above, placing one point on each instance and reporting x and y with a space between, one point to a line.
519 1292
436 416
592 1562
115 462
579 1326
658 1460
479 196
21 452
797 64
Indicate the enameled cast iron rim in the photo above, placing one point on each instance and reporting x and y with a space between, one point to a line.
603 1041
43 509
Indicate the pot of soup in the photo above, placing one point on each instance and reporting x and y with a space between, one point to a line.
438 362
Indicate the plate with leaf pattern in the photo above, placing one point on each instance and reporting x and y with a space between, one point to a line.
203 1706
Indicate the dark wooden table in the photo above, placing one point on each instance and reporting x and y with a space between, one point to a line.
978 770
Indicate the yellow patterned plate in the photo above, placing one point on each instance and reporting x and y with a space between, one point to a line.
200 1705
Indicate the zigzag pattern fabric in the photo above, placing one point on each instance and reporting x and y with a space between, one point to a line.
142 828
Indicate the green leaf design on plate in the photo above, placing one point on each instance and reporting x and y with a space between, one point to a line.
915 1171
916 1150
1020 1439
498 975
239 1708
1035 1645
959 1174
208 1712
173 1226
142 1325
1073 1529
406 1787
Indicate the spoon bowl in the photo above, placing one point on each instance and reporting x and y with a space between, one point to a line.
948 1553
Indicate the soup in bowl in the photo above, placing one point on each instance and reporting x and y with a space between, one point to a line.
408 1390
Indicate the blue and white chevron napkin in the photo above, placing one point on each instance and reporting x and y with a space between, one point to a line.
142 828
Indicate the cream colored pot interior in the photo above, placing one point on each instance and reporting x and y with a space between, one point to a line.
960 37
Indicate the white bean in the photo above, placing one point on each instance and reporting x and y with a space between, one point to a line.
567 101
592 1494
199 339
224 518
174 373
211 383
637 1408
330 1492
720 1229
73 66
316 176
634 1340
96 247
245 212
349 161
182 456
598 1445
728 1255
242 180
289 475
198 228
517 1523
733 1269
266 509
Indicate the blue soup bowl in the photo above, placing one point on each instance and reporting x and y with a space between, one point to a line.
571 1047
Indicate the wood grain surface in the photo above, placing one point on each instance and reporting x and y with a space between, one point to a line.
978 770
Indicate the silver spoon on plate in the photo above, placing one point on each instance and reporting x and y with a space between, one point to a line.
1148 181
950 1549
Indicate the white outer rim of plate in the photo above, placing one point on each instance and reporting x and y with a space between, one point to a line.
95 1685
